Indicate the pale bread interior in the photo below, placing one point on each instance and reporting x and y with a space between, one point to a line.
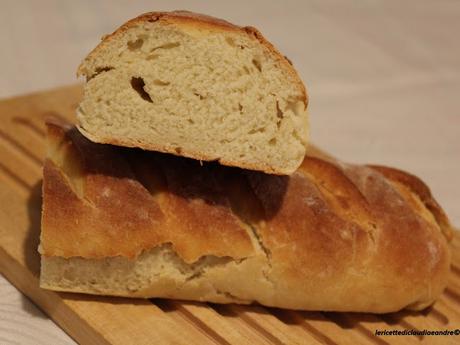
196 92
160 272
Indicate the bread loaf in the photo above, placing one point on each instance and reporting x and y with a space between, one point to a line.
331 237
198 87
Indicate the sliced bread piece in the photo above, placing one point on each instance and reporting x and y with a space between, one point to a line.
198 87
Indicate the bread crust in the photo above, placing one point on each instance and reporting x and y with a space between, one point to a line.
126 218
332 236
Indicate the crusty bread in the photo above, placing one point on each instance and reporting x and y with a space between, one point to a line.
332 236
198 87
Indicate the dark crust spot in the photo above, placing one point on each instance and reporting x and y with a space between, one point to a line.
288 60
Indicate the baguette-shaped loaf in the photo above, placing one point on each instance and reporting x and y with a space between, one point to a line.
333 236
199 87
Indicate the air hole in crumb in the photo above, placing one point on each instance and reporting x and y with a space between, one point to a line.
98 71
103 69
257 130
135 45
201 97
166 46
178 150
161 82
138 84
230 41
246 69
297 107
190 121
272 141
279 113
256 63
240 108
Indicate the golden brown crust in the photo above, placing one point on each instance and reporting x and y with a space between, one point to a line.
422 191
335 236
196 20
332 179
369 229
116 215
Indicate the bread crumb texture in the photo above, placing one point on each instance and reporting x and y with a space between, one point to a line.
198 87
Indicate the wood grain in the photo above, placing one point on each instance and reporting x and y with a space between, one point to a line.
105 320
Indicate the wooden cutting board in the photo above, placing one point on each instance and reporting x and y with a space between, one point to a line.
104 320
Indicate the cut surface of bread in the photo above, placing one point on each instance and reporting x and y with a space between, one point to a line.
198 87
332 236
